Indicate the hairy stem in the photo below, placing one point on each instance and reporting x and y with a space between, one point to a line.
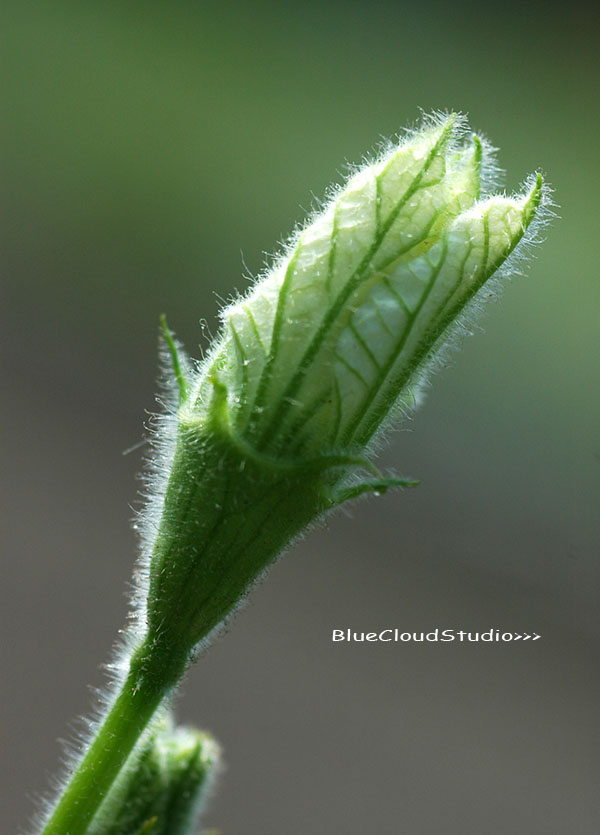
147 684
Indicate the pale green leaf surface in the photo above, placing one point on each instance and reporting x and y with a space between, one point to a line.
322 344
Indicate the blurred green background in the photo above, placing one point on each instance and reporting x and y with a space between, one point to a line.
152 154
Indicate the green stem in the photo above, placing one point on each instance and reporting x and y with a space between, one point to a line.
132 711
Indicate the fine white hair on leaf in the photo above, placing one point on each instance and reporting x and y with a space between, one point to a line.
491 175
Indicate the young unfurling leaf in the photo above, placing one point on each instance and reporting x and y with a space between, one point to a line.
309 365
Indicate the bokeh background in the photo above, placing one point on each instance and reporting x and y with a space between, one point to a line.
152 154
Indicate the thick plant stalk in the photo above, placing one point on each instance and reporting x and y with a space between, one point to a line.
138 701
272 430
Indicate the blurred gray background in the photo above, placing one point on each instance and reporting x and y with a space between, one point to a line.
152 153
